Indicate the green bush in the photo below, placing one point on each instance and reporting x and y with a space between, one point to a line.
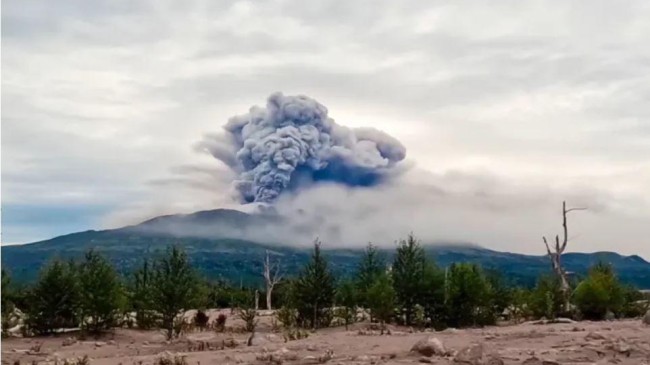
545 300
599 293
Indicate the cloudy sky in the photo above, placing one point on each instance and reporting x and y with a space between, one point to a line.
505 109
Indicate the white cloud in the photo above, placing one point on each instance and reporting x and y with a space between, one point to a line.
102 101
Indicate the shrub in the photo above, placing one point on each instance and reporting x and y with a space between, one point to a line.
249 315
286 316
220 325
201 320
546 299
599 293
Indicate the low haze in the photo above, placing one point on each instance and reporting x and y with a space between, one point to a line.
504 110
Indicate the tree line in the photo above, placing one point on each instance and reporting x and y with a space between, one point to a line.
411 290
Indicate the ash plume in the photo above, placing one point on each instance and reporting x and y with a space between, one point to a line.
292 143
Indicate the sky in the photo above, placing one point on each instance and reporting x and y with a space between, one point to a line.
505 108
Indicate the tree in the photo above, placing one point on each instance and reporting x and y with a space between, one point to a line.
346 299
141 296
433 295
468 296
502 294
371 266
381 297
100 293
408 272
546 299
174 287
556 257
7 302
599 293
272 276
314 290
54 299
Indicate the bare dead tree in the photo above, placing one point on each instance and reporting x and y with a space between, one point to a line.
556 256
271 275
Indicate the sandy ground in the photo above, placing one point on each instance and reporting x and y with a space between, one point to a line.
615 342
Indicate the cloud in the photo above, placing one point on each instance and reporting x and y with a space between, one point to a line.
101 102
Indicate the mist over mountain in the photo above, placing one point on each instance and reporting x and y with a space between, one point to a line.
217 245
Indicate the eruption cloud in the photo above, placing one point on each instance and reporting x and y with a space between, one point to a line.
293 143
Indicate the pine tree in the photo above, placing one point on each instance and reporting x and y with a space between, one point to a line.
408 272
346 299
433 295
314 290
469 298
174 287
372 265
54 299
142 296
101 295
7 303
381 296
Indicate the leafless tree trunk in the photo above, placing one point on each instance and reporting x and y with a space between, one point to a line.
556 257
271 277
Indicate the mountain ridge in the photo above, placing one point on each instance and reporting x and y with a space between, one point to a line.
211 239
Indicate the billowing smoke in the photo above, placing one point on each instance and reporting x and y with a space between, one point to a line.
292 143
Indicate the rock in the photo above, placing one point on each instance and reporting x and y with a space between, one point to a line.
550 362
99 344
646 318
69 341
429 346
494 360
610 316
472 354
594 336
112 342
256 339
532 361
425 360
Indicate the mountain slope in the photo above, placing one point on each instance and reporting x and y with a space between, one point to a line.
205 237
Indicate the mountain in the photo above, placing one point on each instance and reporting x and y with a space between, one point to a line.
207 238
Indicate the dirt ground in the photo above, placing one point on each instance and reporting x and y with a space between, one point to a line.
614 342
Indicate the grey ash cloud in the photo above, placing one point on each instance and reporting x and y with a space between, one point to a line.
292 143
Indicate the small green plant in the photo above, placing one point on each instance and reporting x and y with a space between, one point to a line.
85 360
172 360
286 316
249 316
